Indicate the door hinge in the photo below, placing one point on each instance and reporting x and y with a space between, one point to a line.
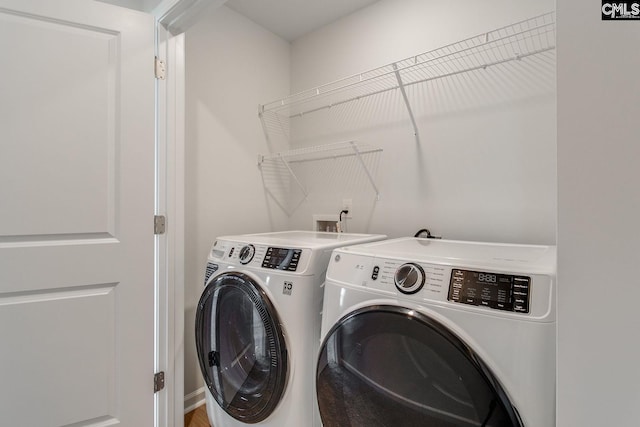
158 381
159 224
160 69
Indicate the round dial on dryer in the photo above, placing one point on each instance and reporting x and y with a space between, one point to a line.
246 254
409 278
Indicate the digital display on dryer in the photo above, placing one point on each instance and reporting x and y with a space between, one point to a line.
282 259
499 291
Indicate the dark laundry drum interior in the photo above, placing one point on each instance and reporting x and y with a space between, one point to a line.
389 366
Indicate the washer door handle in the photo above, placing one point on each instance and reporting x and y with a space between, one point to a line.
214 358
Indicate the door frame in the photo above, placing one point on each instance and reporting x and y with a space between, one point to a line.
173 18
169 246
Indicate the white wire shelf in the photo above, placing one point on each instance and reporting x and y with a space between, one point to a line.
276 167
514 42
321 152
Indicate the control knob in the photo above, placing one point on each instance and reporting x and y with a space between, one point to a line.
409 278
246 254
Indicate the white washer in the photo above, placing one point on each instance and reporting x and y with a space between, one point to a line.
258 326
421 332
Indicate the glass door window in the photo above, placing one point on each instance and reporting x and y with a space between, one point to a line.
389 366
241 347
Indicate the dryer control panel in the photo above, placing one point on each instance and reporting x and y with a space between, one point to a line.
500 291
500 280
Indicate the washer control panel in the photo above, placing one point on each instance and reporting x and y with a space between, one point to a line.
500 291
260 256
281 258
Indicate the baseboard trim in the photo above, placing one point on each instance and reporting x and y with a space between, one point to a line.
194 400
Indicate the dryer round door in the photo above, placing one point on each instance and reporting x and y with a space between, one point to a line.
391 366
241 347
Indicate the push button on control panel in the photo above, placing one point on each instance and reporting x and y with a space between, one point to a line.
375 273
521 294
293 264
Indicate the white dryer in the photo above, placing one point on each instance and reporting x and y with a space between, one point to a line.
421 332
258 326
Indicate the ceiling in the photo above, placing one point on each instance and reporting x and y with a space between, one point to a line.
291 19
288 19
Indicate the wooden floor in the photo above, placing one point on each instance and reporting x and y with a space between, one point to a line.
197 418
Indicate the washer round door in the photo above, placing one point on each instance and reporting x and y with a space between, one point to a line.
241 347
391 366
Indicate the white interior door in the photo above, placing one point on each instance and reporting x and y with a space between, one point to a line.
76 211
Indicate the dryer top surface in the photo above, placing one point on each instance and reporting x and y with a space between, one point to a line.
533 258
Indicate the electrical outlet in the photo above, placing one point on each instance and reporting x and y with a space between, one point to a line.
347 204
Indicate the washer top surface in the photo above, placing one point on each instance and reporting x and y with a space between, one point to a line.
307 239
502 256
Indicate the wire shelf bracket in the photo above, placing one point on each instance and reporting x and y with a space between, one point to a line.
406 102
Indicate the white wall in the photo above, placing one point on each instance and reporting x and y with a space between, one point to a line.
598 221
130 4
149 5
144 5
500 130
231 65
